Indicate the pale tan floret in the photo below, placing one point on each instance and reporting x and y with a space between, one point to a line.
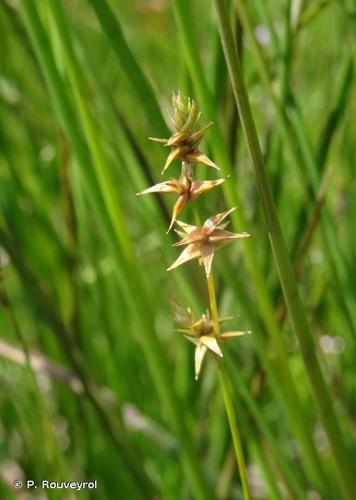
202 242
201 333
188 191
185 139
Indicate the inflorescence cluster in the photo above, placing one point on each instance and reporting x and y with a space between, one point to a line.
202 240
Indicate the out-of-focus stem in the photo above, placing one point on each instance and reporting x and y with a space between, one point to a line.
113 218
196 215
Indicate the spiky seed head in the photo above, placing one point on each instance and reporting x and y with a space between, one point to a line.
186 190
185 139
202 242
201 333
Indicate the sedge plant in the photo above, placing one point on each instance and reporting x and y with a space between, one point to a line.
200 241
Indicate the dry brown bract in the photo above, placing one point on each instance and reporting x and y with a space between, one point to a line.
187 190
202 242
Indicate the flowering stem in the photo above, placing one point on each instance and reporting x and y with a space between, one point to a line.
229 407
233 428
213 305
277 357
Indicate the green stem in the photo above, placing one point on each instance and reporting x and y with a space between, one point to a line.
234 430
227 394
293 131
295 306
224 380
213 305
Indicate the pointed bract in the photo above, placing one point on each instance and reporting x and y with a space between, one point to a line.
169 187
181 202
197 136
202 187
221 235
212 344
189 253
175 154
211 223
177 139
187 228
229 335
157 139
198 157
197 234
200 352
191 118
207 255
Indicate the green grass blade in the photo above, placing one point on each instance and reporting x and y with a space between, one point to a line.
113 31
296 309
149 340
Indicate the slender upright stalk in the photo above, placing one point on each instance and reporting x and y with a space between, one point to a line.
295 306
234 429
292 131
229 407
213 305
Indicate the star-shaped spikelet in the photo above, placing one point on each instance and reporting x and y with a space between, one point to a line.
202 242
185 138
187 190
201 333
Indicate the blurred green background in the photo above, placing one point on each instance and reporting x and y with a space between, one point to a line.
95 384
